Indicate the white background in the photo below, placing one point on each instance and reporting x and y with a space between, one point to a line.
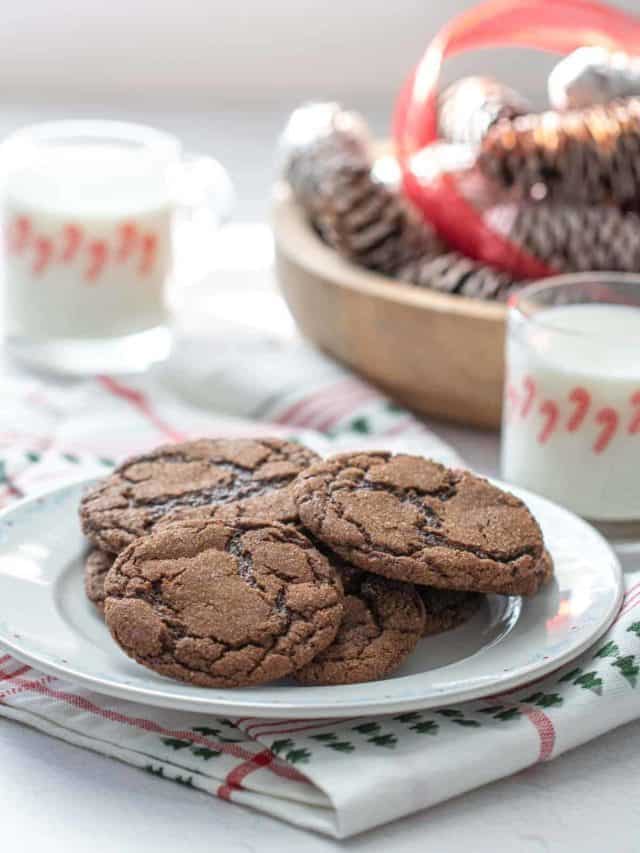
222 74
217 51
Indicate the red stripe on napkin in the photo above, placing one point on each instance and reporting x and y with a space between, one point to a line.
84 704
9 676
235 777
545 728
140 401
305 411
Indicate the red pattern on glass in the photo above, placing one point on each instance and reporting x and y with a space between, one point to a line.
634 425
98 252
149 249
608 418
71 240
582 400
127 239
529 395
43 253
71 244
550 411
18 234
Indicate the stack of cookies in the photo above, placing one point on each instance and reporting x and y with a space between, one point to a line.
229 563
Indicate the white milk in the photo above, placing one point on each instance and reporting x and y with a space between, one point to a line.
571 427
87 241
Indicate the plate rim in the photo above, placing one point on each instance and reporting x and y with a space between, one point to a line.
344 708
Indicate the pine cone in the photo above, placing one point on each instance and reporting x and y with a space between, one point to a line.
469 107
572 238
454 273
589 156
363 219
320 142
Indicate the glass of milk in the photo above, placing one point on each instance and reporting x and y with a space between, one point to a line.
571 423
89 214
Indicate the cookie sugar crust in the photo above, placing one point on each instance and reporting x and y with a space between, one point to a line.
412 519
175 480
221 605
382 623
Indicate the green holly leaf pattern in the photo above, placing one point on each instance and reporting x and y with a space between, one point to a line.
341 746
635 629
507 714
323 738
590 681
449 712
411 717
216 733
468 723
569 676
393 408
531 700
71 457
628 668
609 649
425 727
549 700
360 425
187 781
544 700
108 463
175 743
384 740
279 746
367 728
298 756
33 457
205 752
492 709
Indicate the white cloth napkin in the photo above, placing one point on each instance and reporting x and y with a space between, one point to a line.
336 777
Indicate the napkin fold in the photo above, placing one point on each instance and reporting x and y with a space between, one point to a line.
338 777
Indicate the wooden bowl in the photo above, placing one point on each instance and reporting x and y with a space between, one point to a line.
437 354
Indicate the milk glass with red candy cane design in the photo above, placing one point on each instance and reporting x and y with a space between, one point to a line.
571 423
89 210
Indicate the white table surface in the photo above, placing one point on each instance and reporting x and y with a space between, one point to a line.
62 799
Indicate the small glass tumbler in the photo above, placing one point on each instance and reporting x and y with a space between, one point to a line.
89 215
571 423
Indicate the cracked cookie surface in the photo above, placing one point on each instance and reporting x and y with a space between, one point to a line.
96 567
382 622
174 481
275 505
223 605
412 519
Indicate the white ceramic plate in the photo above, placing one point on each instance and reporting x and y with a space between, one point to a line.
46 621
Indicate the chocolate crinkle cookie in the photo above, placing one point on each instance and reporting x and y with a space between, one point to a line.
96 567
412 519
446 609
174 480
274 505
382 623
223 605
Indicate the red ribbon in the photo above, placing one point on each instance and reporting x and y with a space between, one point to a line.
559 26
